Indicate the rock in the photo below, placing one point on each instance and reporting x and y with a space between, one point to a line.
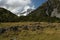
15 28
2 30
38 27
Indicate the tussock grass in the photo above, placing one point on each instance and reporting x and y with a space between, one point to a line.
51 32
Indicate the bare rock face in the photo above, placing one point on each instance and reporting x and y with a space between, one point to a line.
53 8
55 13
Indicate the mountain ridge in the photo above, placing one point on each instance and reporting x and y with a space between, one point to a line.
6 16
44 13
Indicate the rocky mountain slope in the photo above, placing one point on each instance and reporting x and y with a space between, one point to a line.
48 11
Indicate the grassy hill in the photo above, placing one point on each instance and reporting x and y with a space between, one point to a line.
7 16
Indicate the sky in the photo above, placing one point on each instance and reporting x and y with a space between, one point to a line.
37 3
19 6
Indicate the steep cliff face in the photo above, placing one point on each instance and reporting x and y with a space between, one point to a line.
53 8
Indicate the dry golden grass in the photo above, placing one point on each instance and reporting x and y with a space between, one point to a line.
47 34
8 24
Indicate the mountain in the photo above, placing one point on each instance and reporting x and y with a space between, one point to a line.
50 8
48 11
25 12
7 16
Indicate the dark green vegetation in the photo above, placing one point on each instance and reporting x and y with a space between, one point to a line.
41 14
44 12
7 16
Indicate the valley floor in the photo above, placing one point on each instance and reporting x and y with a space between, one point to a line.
29 31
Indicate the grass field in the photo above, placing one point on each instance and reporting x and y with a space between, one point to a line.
50 32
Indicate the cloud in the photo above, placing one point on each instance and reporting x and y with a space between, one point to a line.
28 7
16 6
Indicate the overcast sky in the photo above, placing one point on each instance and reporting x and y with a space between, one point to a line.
17 6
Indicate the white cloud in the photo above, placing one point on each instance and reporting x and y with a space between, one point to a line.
16 6
28 7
